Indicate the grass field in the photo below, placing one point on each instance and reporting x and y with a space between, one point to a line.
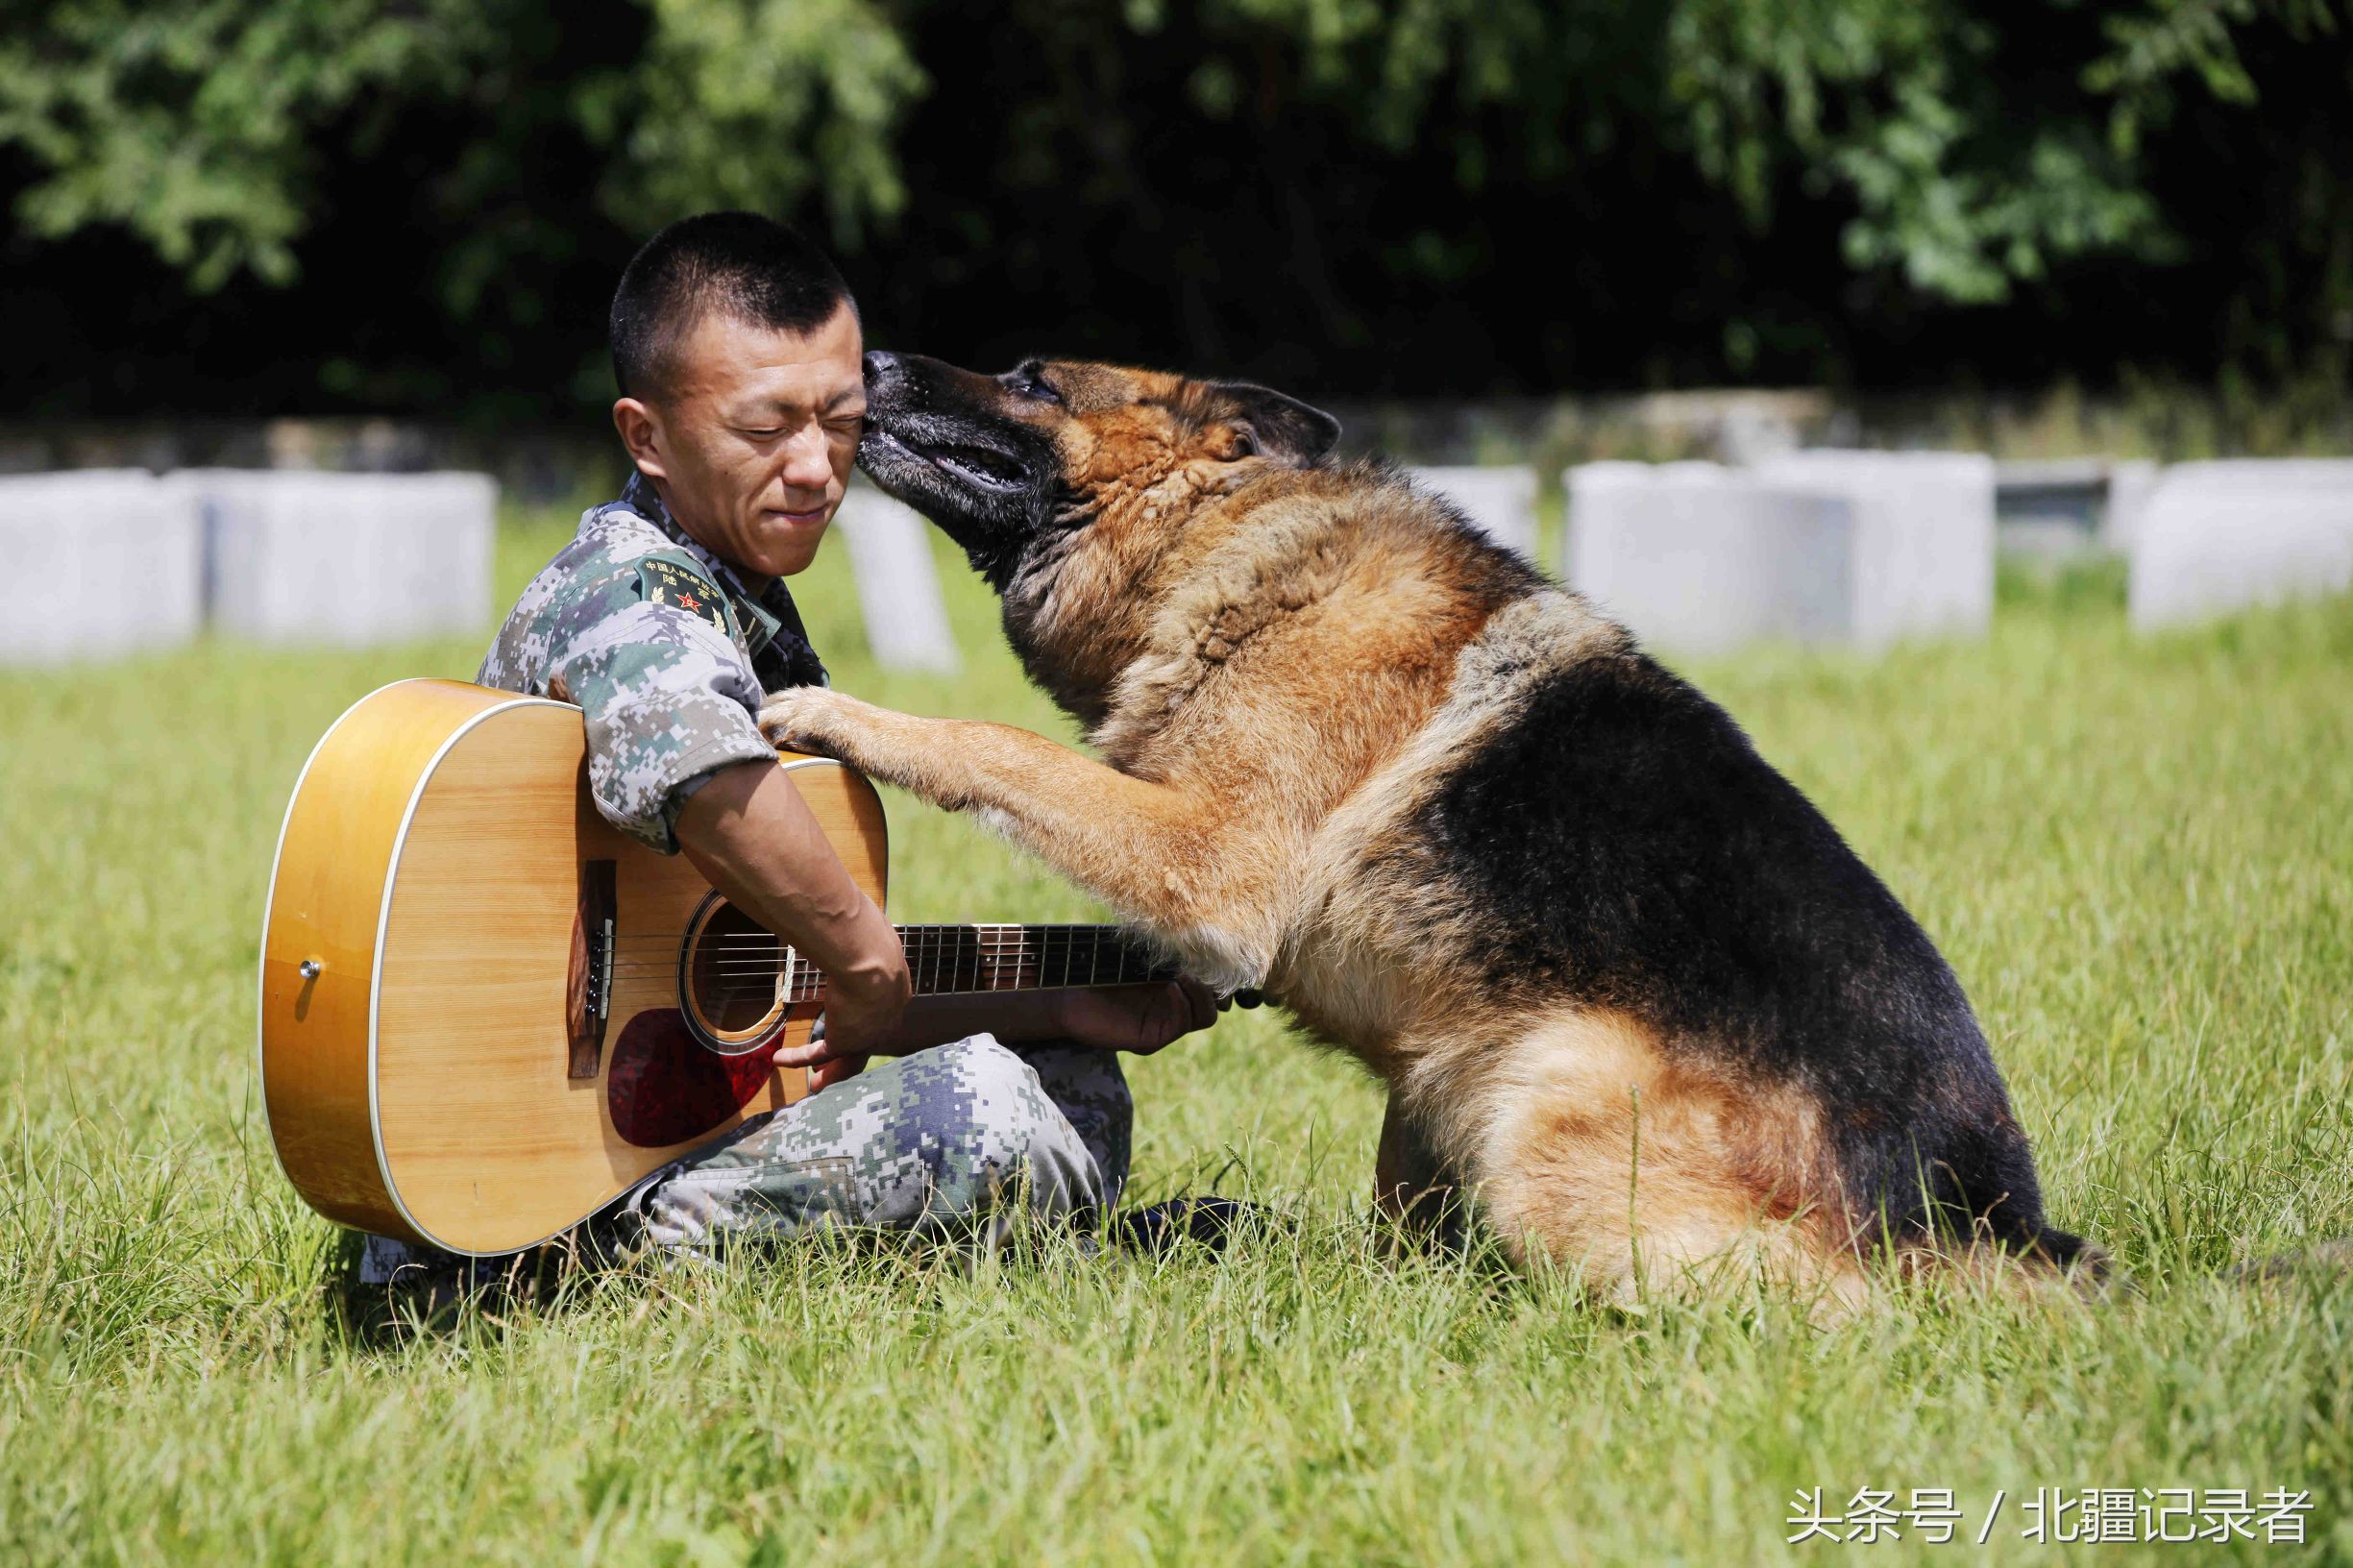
2138 854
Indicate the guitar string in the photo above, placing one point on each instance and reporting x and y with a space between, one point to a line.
920 933
930 944
912 932
774 957
928 950
799 996
1005 958
999 956
732 949
1025 975
916 932
1003 978
927 938
994 948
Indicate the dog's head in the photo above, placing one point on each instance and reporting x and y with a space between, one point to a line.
1068 482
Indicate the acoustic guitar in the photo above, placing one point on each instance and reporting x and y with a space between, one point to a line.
486 1012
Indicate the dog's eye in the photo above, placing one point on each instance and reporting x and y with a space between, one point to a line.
1030 384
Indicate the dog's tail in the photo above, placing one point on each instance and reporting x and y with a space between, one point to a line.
2095 1274
2001 1244
2068 1252
2038 1260
2331 1256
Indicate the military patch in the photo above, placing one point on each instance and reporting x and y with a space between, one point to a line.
667 582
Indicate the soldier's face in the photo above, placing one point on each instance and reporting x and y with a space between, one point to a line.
751 443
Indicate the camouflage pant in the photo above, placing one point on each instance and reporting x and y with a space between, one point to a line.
941 1143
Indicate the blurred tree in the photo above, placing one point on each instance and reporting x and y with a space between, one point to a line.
188 123
757 103
1357 196
192 123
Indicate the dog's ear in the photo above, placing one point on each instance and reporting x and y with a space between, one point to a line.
1285 427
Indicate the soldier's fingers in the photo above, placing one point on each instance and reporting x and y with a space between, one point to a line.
834 1069
1199 1001
806 1055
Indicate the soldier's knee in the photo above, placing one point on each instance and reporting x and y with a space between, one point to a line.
983 1060
995 1107
1090 1093
987 1120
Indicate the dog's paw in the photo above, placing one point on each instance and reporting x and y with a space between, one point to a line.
811 718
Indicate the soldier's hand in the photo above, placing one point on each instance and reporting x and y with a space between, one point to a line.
1139 1018
857 1021
826 1075
748 831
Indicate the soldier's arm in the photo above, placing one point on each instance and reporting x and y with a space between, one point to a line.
753 838
761 846
675 760
1134 1017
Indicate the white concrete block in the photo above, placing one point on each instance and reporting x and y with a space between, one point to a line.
1501 500
2131 482
301 556
899 590
2216 537
1924 561
100 562
1699 558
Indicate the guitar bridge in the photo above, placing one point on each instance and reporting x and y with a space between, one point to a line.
589 994
601 974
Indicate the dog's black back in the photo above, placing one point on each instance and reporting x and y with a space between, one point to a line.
1634 851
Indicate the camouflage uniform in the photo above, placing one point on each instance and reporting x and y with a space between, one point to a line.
935 1143
663 649
669 656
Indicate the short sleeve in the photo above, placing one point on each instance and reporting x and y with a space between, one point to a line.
668 701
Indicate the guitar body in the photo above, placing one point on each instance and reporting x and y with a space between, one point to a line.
485 1012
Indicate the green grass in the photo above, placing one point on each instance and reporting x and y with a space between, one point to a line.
2135 852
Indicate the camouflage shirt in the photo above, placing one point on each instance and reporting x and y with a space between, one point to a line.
665 651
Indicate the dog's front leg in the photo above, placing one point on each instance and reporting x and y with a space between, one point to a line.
1154 851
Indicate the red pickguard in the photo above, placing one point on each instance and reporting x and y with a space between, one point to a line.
665 1087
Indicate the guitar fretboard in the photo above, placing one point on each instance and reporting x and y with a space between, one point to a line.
946 960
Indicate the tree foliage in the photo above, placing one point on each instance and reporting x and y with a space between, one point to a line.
754 105
1787 183
188 123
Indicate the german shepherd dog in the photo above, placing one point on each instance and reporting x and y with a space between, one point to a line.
1626 986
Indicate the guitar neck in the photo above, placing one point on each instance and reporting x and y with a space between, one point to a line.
946 960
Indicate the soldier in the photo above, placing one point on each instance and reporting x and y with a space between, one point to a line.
737 349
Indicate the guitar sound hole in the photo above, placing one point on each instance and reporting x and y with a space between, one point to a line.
728 978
